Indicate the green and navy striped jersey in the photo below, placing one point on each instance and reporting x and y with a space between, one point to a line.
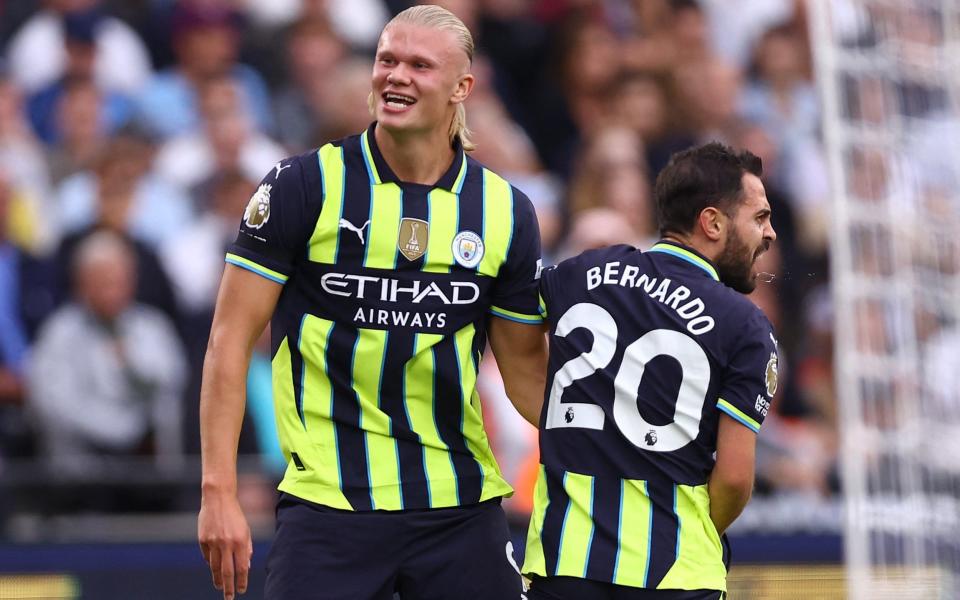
647 350
381 324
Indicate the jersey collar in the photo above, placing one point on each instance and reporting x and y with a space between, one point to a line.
380 172
687 254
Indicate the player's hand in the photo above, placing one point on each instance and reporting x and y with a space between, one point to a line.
225 542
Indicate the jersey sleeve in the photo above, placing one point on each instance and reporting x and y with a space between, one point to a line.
750 380
547 290
276 223
515 293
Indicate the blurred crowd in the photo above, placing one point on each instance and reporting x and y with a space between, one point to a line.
132 134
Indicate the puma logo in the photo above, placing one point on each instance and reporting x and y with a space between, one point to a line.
345 224
280 167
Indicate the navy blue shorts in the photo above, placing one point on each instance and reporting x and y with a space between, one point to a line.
574 588
438 554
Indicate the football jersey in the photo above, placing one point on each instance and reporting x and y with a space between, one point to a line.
647 349
381 324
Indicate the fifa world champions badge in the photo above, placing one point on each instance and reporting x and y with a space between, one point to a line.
412 239
468 249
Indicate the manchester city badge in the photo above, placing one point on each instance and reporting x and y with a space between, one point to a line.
468 249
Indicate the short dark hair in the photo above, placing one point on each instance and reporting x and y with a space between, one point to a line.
707 175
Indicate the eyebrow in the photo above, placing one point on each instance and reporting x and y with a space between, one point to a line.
423 59
415 58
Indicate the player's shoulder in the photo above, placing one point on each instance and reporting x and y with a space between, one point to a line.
479 177
574 267
598 256
295 165
741 312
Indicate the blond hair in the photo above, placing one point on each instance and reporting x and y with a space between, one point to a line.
435 17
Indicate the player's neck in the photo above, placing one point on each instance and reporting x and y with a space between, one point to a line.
418 157
704 247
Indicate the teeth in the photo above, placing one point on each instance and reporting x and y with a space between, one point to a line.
398 99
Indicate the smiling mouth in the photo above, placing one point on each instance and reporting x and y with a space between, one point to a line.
397 101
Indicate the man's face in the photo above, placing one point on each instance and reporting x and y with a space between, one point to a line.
107 285
418 77
749 234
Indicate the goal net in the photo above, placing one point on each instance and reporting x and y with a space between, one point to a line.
889 74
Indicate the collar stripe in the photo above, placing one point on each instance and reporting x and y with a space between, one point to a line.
461 176
379 171
368 159
688 256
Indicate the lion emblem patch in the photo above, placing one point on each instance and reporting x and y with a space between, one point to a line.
258 209
771 375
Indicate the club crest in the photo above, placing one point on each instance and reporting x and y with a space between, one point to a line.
772 375
258 209
412 240
468 249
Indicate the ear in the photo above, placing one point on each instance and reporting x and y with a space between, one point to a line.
463 89
713 223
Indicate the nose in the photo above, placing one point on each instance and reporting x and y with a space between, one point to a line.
397 75
770 233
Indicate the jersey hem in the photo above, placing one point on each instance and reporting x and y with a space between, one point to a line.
333 497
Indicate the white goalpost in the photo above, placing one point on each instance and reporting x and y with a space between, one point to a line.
889 75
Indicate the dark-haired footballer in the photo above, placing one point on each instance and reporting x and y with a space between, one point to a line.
660 374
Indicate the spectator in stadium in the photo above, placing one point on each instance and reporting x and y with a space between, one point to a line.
122 201
597 228
80 130
735 26
343 100
399 203
38 54
779 95
313 53
571 102
705 116
640 103
194 257
666 35
21 307
612 173
106 373
122 169
225 139
33 224
80 43
13 336
205 36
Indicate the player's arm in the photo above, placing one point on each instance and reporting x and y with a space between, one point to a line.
245 303
521 352
731 482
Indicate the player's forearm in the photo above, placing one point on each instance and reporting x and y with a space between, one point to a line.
521 352
728 498
525 391
222 403
524 381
